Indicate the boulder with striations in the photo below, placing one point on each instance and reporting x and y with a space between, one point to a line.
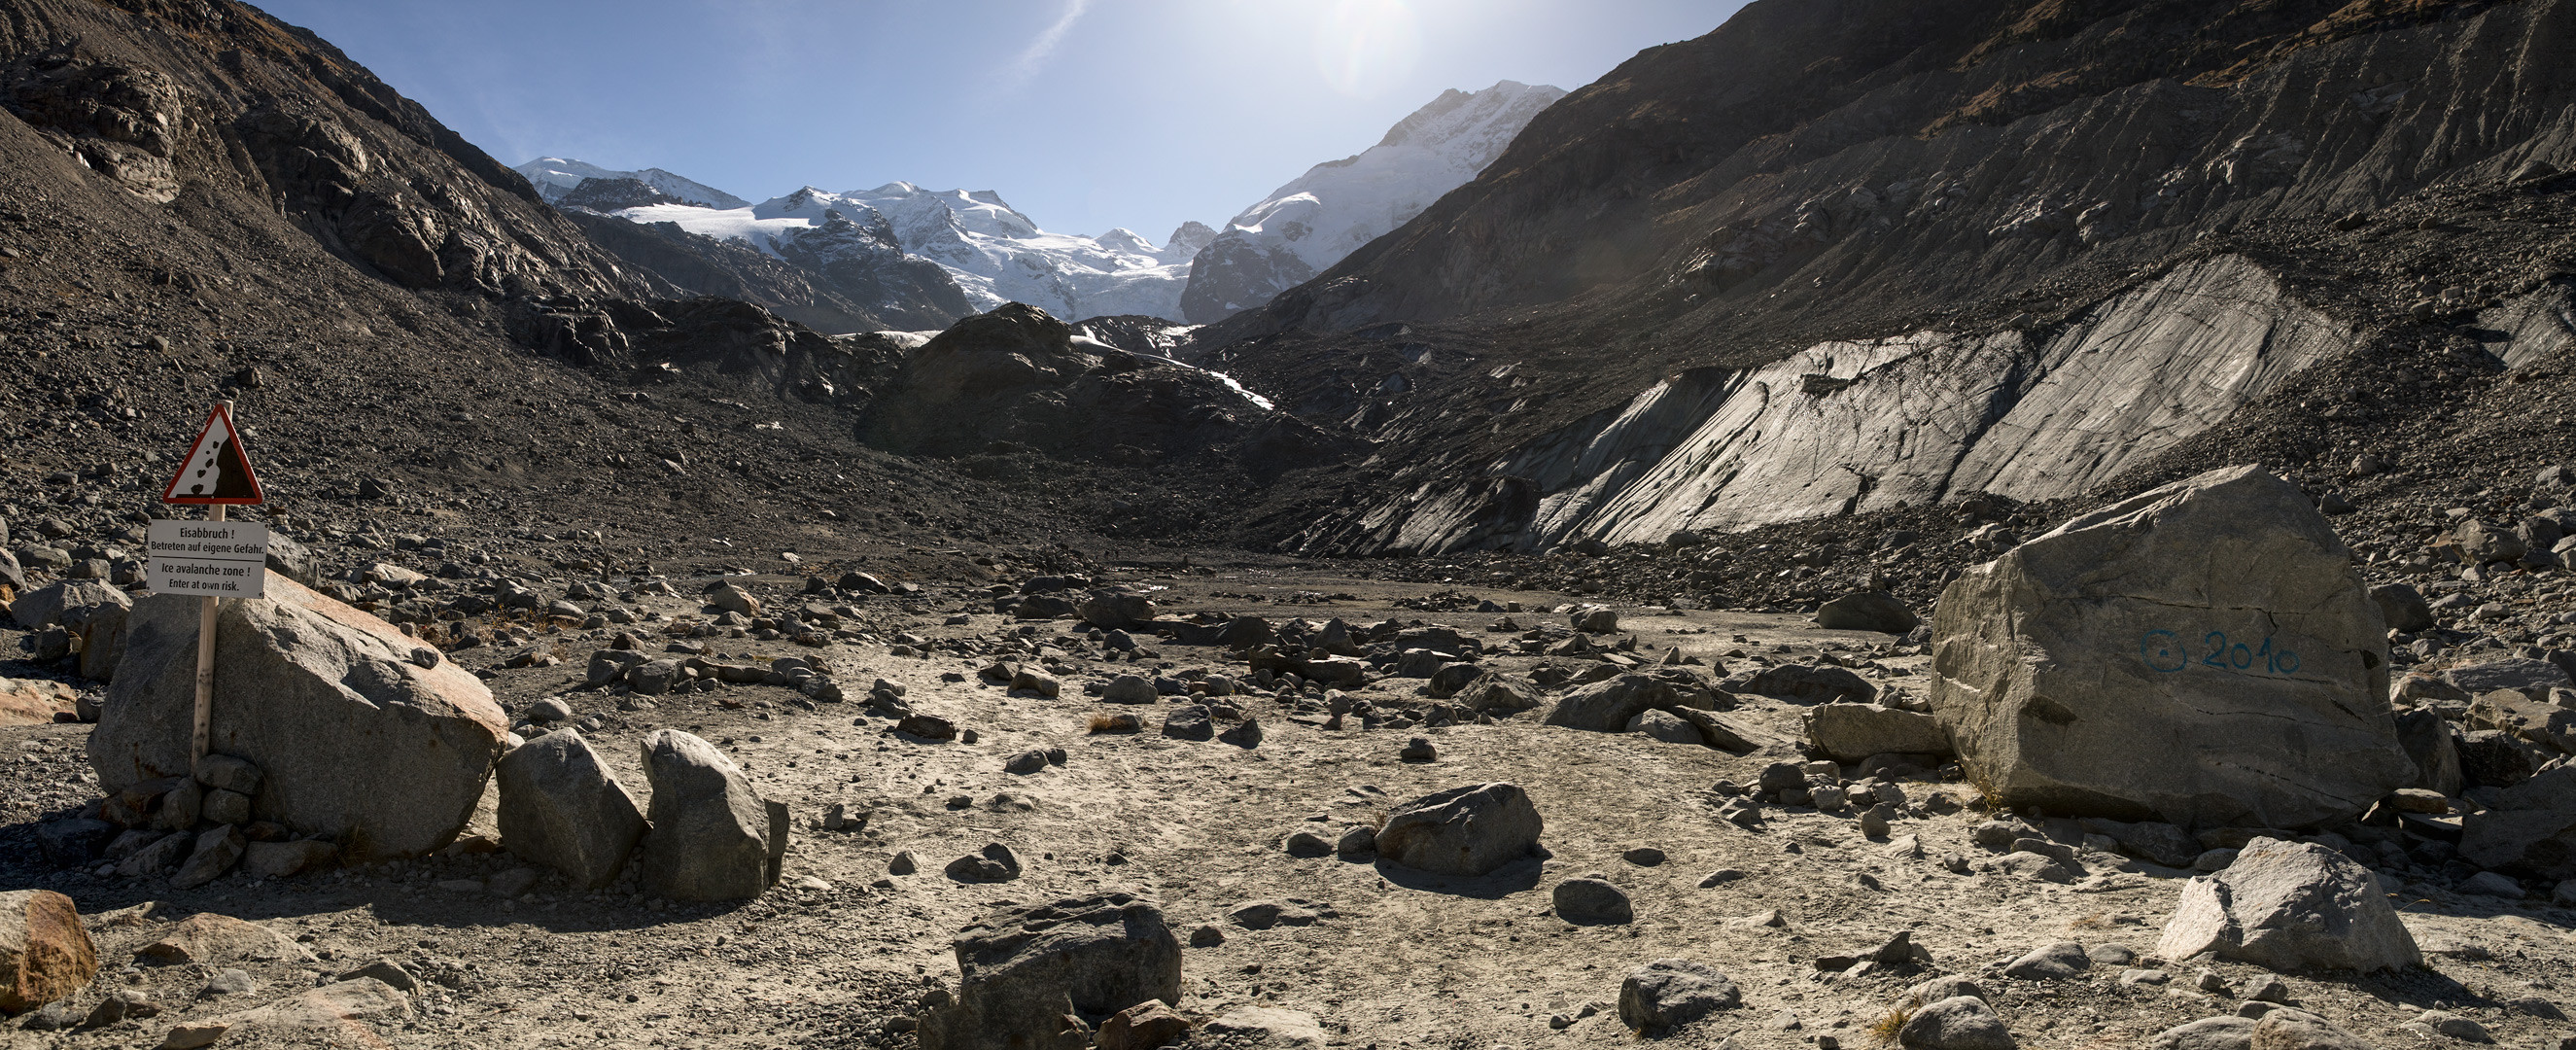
1026 975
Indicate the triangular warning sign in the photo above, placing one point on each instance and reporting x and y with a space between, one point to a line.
215 471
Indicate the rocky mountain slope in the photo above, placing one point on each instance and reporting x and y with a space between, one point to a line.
1339 206
2021 251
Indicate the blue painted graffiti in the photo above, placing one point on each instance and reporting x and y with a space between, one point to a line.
2165 651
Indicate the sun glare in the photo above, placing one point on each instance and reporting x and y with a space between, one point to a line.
1364 47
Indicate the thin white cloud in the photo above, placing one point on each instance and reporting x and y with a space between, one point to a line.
1033 58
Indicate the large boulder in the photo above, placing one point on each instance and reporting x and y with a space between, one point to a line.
2531 829
91 610
563 808
367 736
2201 653
1113 609
714 838
1852 732
2531 678
45 954
1867 611
1025 974
1804 683
1468 830
2290 906
1608 706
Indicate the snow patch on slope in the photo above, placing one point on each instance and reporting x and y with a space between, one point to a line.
556 176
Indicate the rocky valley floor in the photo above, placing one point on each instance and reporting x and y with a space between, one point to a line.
842 952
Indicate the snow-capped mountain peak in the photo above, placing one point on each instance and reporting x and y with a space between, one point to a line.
556 176
1309 224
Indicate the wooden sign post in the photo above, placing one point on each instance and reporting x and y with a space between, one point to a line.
213 558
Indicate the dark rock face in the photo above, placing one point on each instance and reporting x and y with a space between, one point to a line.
1233 273
1016 378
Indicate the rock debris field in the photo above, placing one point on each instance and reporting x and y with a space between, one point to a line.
1282 807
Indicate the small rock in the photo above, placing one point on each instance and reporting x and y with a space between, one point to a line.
995 864
1419 749
1666 993
903 864
1643 856
1956 1023
1308 844
2055 962
1206 937
1720 877
1591 902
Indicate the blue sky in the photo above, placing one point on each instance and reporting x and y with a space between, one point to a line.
1084 114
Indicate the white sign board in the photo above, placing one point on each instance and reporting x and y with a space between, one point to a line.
211 559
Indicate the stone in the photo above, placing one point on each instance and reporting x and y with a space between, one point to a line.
1246 733
2208 1033
730 597
214 940
1668 993
1188 722
2427 740
1308 844
1449 679
564 808
278 860
216 851
903 863
2087 673
2290 906
1595 619
995 863
2152 840
1206 936
1026 762
35 701
1499 695
1418 749
162 854
1468 830
1264 1027
227 773
2454 1026
2492 884
1944 987
1852 732
1643 856
927 727
1032 680
356 741
1666 727
324 1015
2053 962
2403 607
2531 678
1023 970
1867 611
1130 689
181 807
1262 915
1803 683
2495 758
2301 1030
45 953
225 807
1608 706
1144 1026
1359 841
73 840
714 838
1956 1023
1591 902
1112 609
2038 867
2530 829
